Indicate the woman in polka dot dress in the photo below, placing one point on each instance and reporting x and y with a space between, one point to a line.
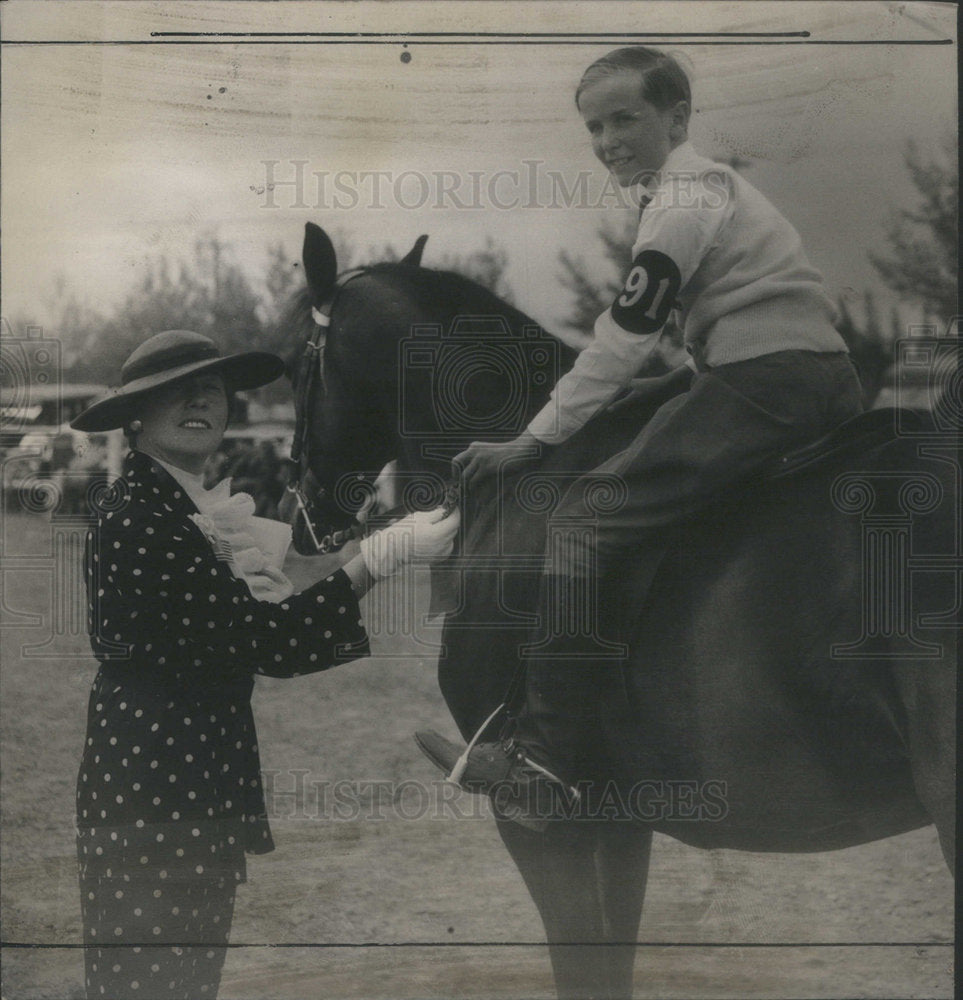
169 799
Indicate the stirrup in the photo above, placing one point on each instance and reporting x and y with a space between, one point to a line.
459 769
571 790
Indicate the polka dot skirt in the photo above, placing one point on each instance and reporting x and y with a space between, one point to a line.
149 941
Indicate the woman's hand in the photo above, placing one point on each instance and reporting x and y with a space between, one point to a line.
484 458
269 584
427 536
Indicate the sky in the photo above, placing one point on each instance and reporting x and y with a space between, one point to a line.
114 153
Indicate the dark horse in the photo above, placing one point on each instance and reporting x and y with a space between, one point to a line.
796 654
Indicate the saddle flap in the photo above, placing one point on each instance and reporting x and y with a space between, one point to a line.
860 434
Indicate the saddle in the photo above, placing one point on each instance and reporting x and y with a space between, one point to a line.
857 436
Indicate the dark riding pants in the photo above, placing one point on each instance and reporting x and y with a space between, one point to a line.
698 445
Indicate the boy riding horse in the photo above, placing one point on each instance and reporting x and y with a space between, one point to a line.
770 373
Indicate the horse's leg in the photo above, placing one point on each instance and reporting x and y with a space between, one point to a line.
588 882
622 864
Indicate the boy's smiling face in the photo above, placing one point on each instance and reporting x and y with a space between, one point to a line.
630 135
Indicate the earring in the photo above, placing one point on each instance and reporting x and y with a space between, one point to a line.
135 427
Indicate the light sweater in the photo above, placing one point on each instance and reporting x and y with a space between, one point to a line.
712 247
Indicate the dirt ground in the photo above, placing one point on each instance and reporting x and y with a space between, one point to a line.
406 899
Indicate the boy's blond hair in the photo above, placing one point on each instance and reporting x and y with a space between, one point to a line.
664 82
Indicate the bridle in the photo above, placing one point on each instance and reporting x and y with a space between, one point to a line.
310 372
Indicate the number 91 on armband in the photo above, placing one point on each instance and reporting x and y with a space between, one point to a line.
649 293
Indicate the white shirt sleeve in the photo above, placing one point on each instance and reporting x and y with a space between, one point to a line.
675 232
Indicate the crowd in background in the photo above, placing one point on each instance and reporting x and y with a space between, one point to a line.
253 467
65 467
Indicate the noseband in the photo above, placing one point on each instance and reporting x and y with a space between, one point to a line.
310 374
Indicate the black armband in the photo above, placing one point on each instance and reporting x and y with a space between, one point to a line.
649 293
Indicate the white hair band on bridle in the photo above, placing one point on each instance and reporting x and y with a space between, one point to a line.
319 317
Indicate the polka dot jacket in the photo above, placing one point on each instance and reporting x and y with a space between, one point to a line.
169 784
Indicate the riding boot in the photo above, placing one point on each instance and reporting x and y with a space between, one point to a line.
552 758
573 677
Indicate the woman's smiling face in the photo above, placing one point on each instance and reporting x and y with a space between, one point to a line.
629 135
183 422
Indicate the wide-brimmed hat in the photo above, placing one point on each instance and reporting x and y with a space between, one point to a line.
171 355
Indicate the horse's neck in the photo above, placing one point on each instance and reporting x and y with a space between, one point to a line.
418 311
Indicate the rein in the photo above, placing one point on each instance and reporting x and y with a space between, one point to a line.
311 371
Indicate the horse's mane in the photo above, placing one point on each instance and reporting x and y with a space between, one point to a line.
426 287
293 327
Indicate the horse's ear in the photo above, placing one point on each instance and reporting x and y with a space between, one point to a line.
413 256
320 264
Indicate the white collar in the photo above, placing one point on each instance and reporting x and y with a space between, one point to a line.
251 542
679 157
682 159
194 486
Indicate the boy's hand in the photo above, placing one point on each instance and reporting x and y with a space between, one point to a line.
482 458
653 390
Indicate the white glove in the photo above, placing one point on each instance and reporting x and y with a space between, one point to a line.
427 536
269 584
